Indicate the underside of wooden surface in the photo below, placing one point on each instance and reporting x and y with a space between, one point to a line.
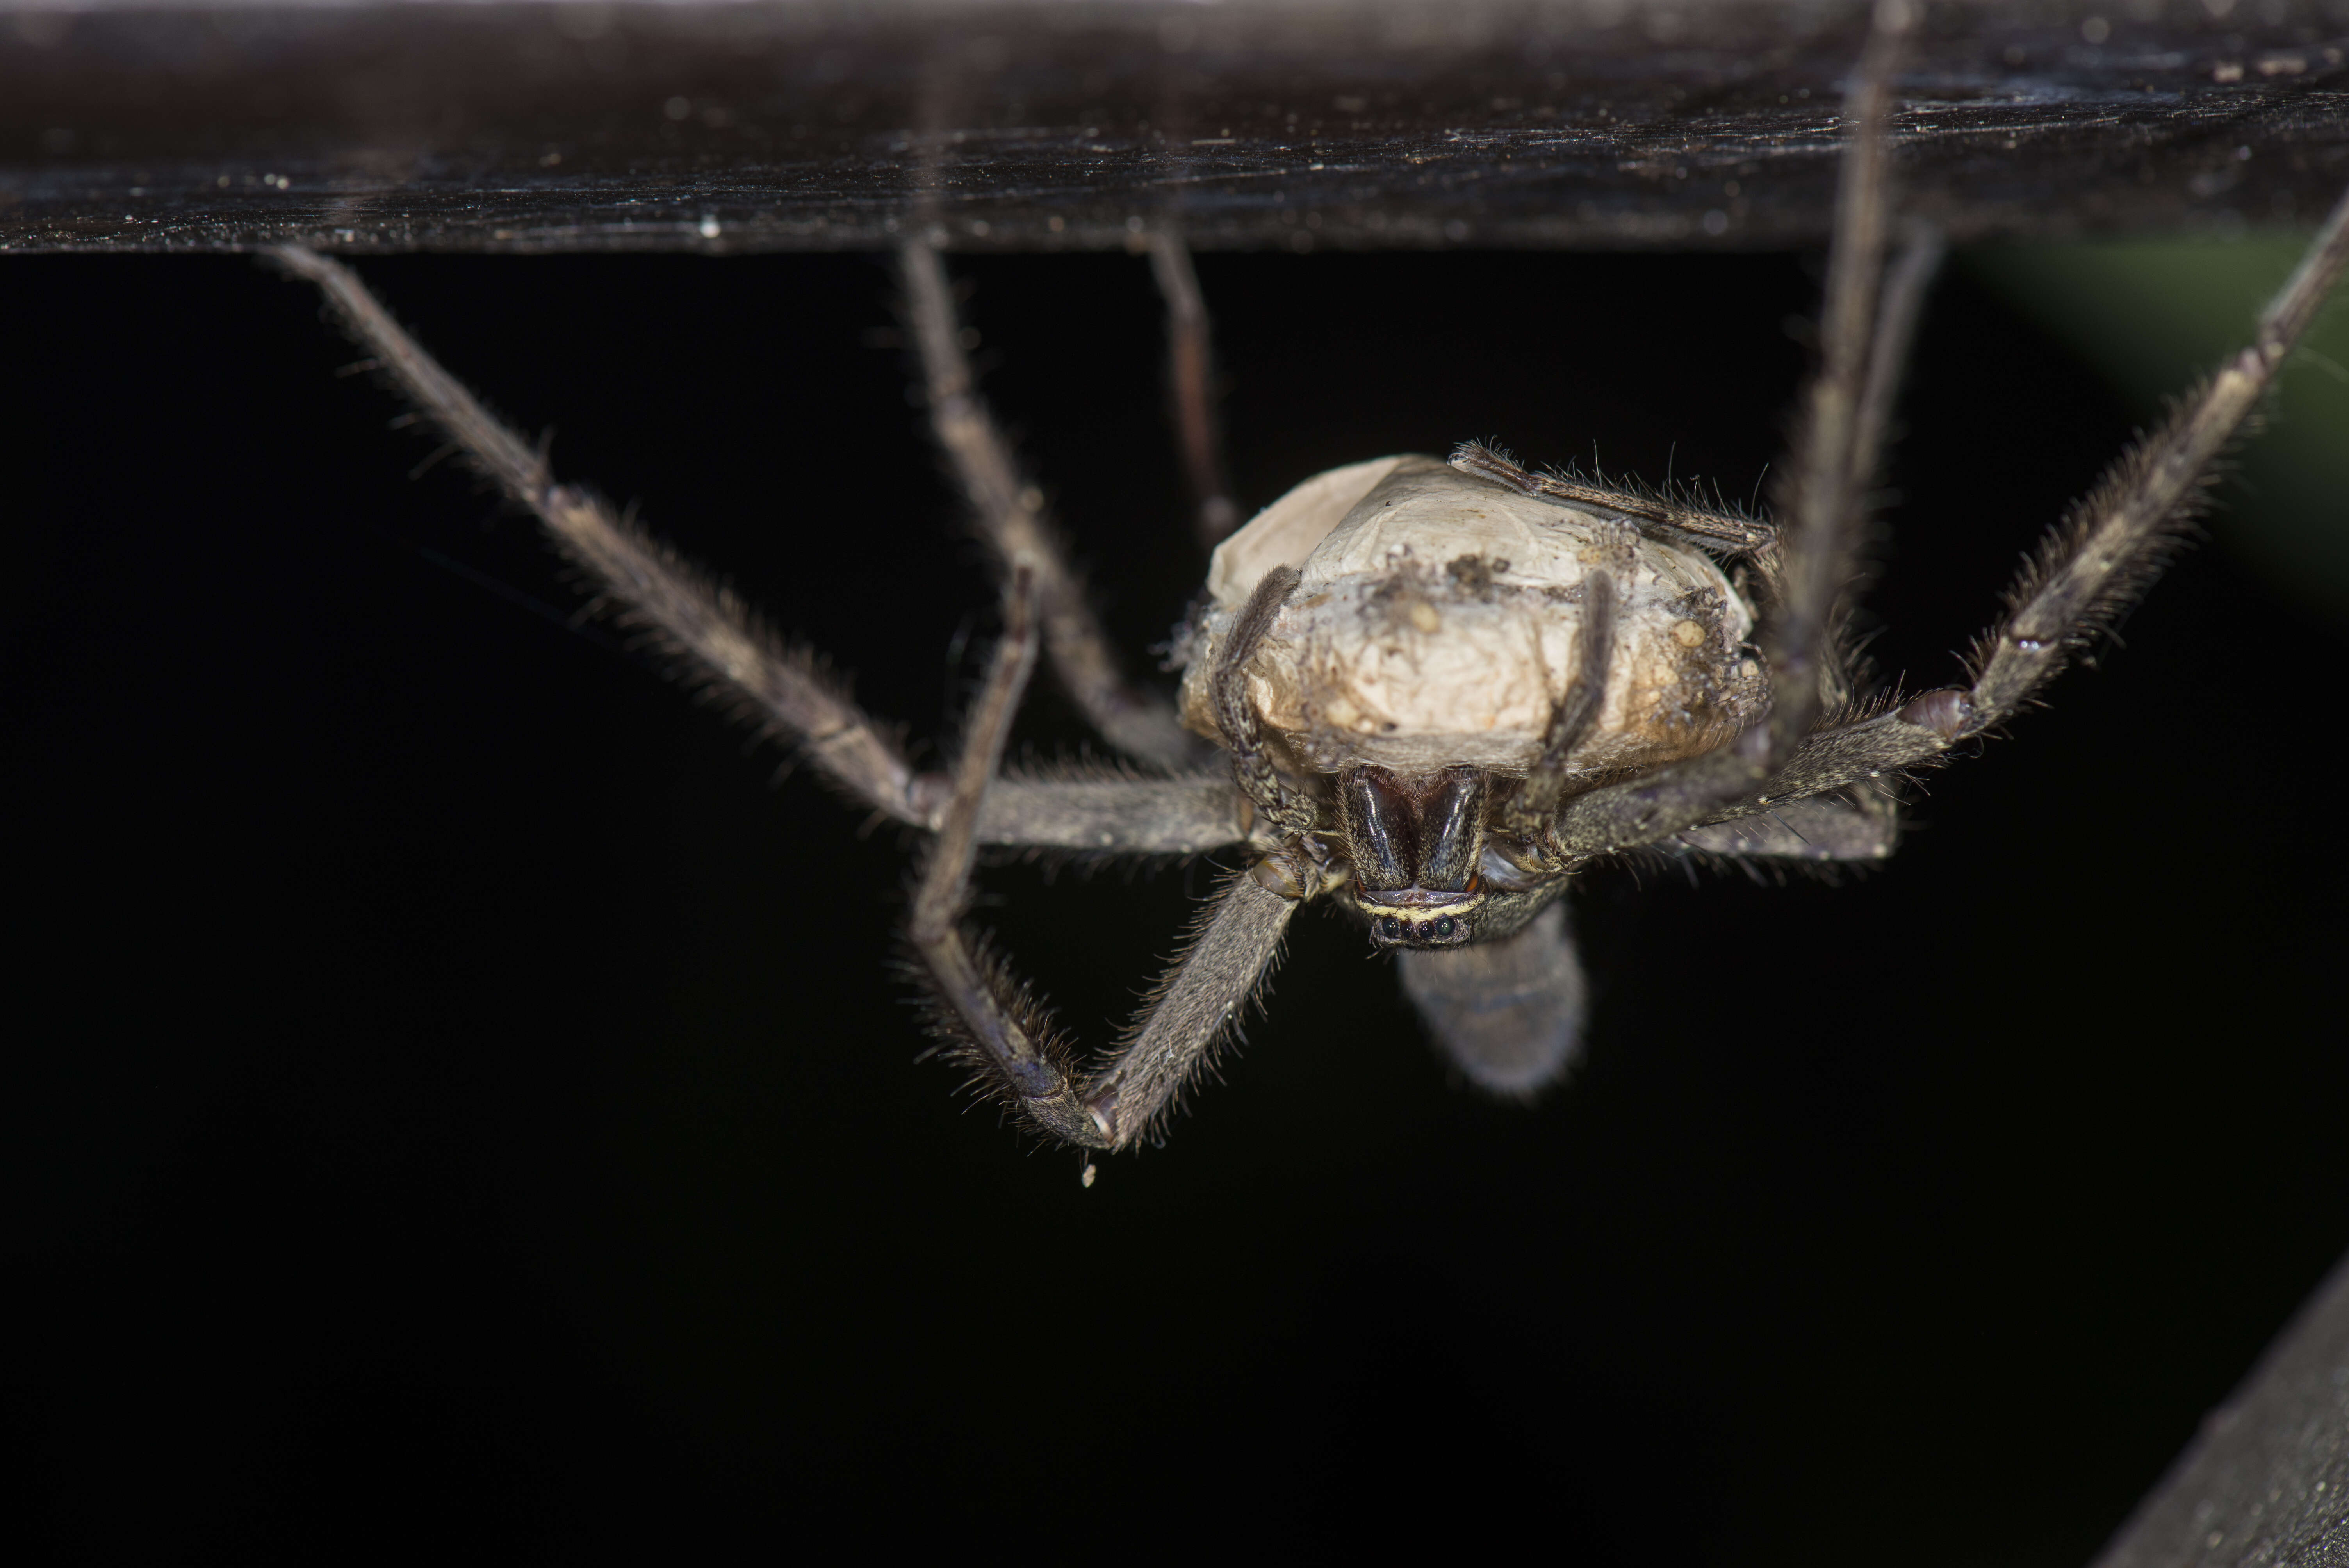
1017 124
2265 1481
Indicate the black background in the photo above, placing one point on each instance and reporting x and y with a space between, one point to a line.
463 1098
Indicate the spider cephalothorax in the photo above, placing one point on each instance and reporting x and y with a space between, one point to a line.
1427 693
1436 656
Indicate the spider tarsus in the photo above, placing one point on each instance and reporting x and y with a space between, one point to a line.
1041 1097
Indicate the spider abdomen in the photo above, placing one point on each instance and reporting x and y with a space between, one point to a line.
1438 622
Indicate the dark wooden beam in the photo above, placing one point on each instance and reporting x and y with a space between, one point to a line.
1024 124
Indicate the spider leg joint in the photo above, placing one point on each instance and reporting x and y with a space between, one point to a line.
1948 713
1295 875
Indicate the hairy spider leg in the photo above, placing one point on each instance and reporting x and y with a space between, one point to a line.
1665 517
1191 386
703 628
2096 562
993 1021
2093 565
989 1018
1823 495
1009 510
713 639
1905 286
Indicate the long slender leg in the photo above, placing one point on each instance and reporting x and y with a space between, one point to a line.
1509 1014
2108 550
1843 674
1196 1006
1112 815
1903 303
2095 563
1191 371
1009 512
1674 518
1821 503
1817 828
709 633
1824 502
1903 296
994 1023
1001 1029
716 639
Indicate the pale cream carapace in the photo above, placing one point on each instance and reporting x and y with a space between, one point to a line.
1439 621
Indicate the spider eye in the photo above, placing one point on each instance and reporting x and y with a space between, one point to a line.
1443 929
1389 928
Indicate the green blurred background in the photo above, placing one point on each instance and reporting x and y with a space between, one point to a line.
2152 316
